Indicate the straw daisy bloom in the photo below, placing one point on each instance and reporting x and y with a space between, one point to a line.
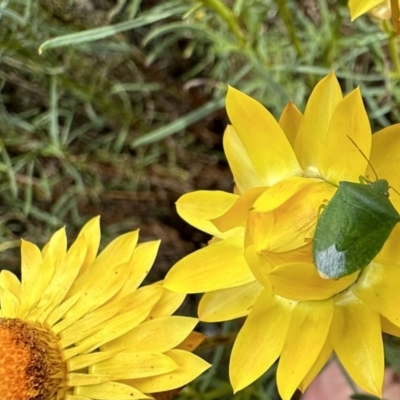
78 328
259 263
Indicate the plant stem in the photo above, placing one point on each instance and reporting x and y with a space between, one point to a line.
287 20
393 48
394 5
228 16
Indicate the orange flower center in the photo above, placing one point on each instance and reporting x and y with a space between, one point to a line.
31 365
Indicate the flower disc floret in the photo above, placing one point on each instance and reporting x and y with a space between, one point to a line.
31 364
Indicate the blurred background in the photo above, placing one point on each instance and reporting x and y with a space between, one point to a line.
126 113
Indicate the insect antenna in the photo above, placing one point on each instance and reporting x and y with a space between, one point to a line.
391 187
366 158
369 162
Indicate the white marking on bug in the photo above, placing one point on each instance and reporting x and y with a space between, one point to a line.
331 260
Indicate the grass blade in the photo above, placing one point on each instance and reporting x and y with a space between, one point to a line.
179 124
91 35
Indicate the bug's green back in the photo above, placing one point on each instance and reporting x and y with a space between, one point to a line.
353 228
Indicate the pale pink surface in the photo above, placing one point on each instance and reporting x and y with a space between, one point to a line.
332 385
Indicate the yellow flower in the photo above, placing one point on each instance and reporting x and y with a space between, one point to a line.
259 263
381 9
77 327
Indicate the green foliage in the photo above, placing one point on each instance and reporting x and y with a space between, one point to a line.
392 353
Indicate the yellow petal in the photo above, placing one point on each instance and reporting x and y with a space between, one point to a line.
302 282
339 158
82 379
218 266
360 7
321 361
378 286
146 337
60 311
86 360
273 197
10 289
110 391
290 121
9 282
384 11
92 234
262 263
389 328
237 214
295 218
390 253
54 254
308 330
132 365
227 304
315 123
9 304
190 366
259 265
192 342
199 208
92 296
64 276
57 245
118 252
385 158
264 140
115 328
260 341
143 299
72 397
240 164
167 304
357 340
139 266
31 260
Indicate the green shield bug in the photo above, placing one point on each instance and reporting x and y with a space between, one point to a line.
353 228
